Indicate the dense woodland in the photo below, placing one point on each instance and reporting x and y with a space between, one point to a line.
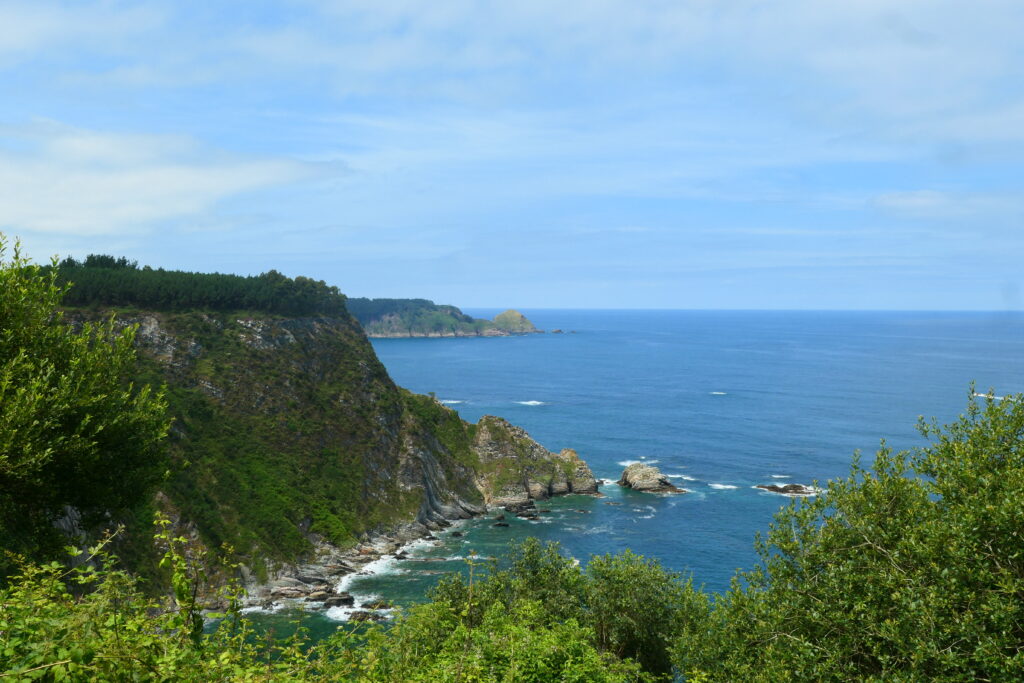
416 316
107 281
910 569
373 309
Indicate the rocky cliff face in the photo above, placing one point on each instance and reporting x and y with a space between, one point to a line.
514 468
289 436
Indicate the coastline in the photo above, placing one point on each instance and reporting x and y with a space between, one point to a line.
312 585
448 334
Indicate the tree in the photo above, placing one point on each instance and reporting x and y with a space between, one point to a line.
77 439
910 570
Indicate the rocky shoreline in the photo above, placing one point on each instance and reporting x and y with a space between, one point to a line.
503 450
446 334
316 585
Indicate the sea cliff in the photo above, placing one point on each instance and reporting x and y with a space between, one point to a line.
293 446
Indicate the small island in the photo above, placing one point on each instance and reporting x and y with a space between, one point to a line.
647 478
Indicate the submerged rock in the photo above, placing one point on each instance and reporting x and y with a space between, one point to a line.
789 489
647 478
340 600
366 616
527 510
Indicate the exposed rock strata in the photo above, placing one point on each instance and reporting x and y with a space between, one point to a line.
515 469
647 478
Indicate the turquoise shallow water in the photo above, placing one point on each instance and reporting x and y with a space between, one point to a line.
720 400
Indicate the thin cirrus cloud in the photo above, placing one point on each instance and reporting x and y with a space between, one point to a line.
58 179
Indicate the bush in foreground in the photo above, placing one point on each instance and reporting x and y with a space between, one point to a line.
910 570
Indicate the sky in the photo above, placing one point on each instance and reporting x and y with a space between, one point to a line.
695 154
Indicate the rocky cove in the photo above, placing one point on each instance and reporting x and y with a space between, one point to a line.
517 473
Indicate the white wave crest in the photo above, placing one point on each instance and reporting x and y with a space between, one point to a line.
685 477
344 613
718 393
780 476
451 401
648 509
627 463
723 486
260 609
385 565
531 403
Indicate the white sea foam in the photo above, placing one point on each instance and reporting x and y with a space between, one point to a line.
385 565
998 398
260 609
718 393
627 463
648 509
451 401
723 486
780 476
685 477
531 403
344 613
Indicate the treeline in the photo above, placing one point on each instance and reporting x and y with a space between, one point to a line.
416 316
366 310
102 280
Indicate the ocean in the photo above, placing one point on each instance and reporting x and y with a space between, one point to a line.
718 400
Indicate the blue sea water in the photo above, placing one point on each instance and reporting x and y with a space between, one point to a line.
721 401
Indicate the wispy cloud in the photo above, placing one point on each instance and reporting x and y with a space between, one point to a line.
55 178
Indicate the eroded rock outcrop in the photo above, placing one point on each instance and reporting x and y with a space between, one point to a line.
514 468
647 478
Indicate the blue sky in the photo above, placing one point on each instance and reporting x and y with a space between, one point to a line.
582 153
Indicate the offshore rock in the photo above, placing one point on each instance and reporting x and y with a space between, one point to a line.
789 489
646 478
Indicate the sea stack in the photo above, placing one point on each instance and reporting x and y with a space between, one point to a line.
647 478
514 322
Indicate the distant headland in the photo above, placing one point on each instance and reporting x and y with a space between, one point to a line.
390 318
